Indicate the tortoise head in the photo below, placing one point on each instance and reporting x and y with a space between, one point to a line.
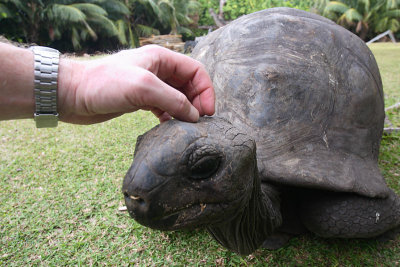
187 175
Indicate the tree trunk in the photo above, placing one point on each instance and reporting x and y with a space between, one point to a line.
219 22
362 30
221 11
31 29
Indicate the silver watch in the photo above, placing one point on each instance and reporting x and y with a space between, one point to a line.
45 90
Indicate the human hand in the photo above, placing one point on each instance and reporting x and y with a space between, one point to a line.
150 78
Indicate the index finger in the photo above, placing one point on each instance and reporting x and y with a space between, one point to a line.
189 76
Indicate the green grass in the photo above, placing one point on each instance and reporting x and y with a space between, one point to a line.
61 189
388 58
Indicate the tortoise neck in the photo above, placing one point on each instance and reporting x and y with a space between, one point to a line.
248 230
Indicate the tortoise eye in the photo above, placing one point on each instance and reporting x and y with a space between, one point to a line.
205 167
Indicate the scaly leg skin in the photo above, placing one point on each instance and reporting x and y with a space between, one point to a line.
291 224
342 215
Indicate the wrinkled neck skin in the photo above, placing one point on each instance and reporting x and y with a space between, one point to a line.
248 230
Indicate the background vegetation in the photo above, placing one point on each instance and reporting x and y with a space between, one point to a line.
101 25
92 25
61 190
366 18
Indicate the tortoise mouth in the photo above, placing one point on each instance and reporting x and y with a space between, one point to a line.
191 216
187 217
201 215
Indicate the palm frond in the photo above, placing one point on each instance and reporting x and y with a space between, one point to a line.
166 3
133 38
319 6
352 15
395 13
65 14
170 14
103 24
156 10
338 7
193 6
184 31
85 35
377 6
144 30
394 25
89 30
386 23
366 4
90 9
75 39
121 28
391 4
183 19
186 7
114 7
342 20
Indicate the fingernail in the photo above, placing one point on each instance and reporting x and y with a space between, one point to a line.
193 114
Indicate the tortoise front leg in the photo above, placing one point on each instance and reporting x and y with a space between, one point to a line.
344 215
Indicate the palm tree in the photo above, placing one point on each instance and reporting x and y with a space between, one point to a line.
365 16
44 21
38 19
166 16
87 20
390 19
118 11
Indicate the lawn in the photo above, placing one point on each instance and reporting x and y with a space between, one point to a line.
61 190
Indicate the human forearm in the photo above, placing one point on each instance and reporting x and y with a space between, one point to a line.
150 78
16 78
17 99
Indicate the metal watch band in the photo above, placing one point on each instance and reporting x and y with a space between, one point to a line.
45 88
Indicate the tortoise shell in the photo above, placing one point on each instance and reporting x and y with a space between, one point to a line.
308 91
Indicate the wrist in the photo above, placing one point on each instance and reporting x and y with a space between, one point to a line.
69 77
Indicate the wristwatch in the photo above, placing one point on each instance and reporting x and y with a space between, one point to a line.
45 86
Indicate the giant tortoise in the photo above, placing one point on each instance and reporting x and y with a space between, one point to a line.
293 146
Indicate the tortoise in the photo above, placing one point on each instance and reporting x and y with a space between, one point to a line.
292 148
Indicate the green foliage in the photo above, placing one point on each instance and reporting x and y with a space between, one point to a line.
205 18
93 23
43 22
366 18
236 8
164 16
4 12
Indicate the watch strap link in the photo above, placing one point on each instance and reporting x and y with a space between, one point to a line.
45 86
